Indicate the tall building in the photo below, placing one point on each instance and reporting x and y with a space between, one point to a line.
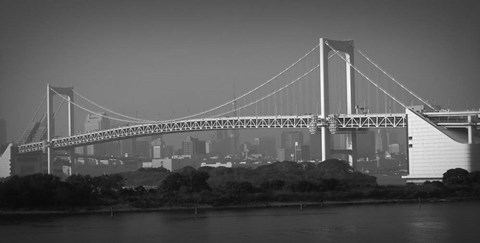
188 146
143 147
210 147
381 143
292 142
95 122
316 146
3 131
128 147
292 138
228 142
158 146
193 146
234 140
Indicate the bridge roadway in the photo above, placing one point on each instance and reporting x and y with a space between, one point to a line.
312 122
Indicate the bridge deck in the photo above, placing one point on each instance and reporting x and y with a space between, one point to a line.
306 121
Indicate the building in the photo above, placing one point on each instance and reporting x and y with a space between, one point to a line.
210 147
227 142
160 150
217 164
158 146
381 143
95 122
291 139
174 164
143 147
3 131
316 146
265 146
281 154
292 142
193 146
128 147
5 164
432 149
188 145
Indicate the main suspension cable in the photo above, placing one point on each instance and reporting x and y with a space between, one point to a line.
394 80
33 118
113 112
272 93
249 92
98 114
367 78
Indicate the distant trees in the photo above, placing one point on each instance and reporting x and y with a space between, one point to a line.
281 181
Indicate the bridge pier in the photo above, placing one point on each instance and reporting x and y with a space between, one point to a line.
51 92
324 50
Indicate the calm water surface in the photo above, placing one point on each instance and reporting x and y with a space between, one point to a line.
437 222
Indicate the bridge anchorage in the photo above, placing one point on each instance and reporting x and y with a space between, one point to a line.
437 140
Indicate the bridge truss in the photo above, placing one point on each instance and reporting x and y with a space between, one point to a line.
312 122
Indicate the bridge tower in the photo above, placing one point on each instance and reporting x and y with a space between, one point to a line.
345 47
51 92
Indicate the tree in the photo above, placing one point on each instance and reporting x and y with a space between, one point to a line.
457 176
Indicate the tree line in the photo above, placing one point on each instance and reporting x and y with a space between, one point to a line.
331 180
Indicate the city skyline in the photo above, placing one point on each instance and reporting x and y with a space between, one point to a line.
160 60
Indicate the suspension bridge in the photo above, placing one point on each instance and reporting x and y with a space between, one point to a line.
326 91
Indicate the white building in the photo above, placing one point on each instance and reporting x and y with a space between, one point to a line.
432 149
217 164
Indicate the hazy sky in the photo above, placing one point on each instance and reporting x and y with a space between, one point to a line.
159 59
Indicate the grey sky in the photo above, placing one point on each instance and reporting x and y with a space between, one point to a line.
170 58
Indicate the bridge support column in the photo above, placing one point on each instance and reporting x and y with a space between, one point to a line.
324 104
471 130
51 92
324 49
49 129
351 104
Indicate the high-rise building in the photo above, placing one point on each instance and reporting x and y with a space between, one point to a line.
281 154
289 139
188 146
143 147
381 143
209 147
316 146
3 131
228 142
95 122
200 147
128 147
193 146
158 146
291 142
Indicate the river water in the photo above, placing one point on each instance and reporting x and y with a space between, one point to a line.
431 222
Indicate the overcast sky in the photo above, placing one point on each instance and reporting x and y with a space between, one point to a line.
157 59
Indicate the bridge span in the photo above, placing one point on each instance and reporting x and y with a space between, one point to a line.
312 122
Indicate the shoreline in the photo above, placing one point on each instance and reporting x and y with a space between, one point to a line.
114 209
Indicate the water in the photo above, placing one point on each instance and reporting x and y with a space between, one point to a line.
437 222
